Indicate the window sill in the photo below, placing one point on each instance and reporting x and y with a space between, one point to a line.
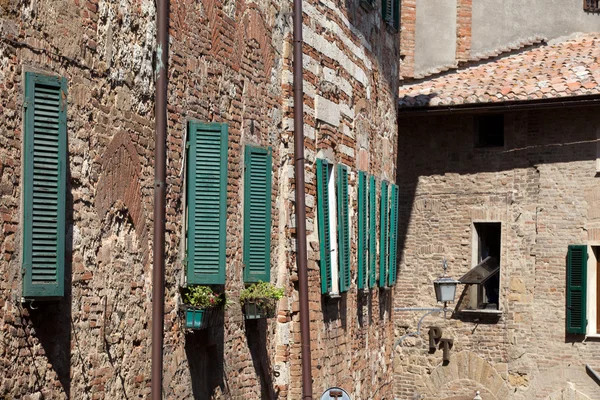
592 336
483 311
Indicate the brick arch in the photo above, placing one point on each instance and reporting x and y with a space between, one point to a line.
467 366
120 181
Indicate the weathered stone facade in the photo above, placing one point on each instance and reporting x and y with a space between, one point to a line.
230 62
542 188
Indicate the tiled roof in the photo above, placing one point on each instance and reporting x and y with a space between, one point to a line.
569 68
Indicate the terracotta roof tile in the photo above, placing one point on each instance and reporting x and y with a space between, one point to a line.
570 68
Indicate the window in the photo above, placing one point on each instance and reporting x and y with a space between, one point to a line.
583 290
366 231
390 11
44 185
383 235
207 203
257 214
489 130
591 5
484 277
327 222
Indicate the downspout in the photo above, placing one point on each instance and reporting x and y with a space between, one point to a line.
160 155
300 203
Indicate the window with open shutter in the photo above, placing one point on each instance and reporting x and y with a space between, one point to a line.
207 203
343 228
576 289
390 10
257 214
44 185
363 278
324 222
393 234
372 232
383 235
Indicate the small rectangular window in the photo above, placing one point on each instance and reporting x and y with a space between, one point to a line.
44 185
390 11
489 130
591 5
484 277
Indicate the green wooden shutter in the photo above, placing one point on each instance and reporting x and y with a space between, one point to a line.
323 215
343 228
383 230
576 289
257 214
362 231
44 185
393 235
372 233
207 203
386 10
396 13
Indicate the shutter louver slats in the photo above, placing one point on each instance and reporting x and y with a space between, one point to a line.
576 289
257 215
207 201
343 228
372 233
362 231
323 221
44 186
393 235
383 230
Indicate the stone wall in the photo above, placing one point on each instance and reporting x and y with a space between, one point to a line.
540 186
230 62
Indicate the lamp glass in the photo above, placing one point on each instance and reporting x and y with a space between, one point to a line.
445 289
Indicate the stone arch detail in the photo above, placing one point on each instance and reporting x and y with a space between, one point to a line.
254 28
568 393
467 366
565 378
120 180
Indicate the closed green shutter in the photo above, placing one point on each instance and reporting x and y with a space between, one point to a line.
257 214
383 231
343 228
362 231
372 233
323 216
396 14
44 186
576 289
393 234
207 203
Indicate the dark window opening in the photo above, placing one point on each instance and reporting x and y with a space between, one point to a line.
591 5
485 276
489 130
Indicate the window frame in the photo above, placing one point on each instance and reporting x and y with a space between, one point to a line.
589 6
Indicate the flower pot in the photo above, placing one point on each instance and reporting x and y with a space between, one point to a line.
199 318
259 308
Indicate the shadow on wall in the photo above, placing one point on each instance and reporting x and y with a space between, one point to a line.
335 308
256 336
204 350
51 321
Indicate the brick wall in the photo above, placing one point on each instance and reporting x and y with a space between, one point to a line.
541 187
230 62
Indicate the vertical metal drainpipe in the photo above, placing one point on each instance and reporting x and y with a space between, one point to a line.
160 156
300 203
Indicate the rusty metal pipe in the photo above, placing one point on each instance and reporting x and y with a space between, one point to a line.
160 156
300 203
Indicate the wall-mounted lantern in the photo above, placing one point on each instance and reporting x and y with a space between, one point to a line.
445 287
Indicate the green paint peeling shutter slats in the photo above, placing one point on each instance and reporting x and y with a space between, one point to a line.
393 234
383 231
323 216
343 228
257 214
44 186
207 203
576 289
362 231
372 233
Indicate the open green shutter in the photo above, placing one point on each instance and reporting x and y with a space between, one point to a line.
383 231
372 232
323 220
207 203
44 185
362 231
396 13
576 289
343 228
393 234
257 214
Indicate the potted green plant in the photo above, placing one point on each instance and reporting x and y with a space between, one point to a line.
259 300
200 304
